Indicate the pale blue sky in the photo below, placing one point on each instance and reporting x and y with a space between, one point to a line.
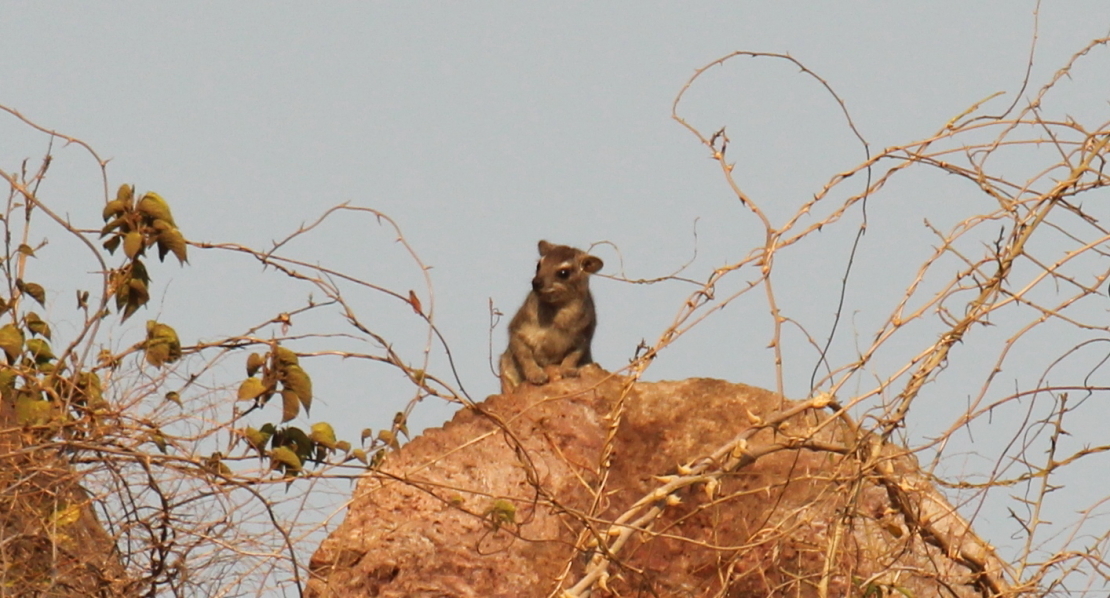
481 128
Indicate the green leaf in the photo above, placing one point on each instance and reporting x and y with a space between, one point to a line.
285 457
25 249
399 422
162 344
360 455
323 433
302 445
138 271
40 350
254 363
501 512
157 354
285 357
251 388
132 296
37 326
297 380
155 208
125 194
290 405
11 341
45 367
215 464
389 438
89 390
158 439
113 208
31 411
172 240
7 382
35 291
174 397
113 225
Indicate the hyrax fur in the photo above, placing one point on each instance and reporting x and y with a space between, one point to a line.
556 323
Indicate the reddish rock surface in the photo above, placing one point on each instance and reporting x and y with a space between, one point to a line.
496 502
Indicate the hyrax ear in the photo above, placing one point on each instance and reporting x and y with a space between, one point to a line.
591 264
545 248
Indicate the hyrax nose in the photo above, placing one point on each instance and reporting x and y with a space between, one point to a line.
537 284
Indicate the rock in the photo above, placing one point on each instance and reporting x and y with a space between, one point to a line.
51 543
508 498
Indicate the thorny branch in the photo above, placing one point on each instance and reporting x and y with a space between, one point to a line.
194 506
1048 263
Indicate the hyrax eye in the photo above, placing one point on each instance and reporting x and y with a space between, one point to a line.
563 273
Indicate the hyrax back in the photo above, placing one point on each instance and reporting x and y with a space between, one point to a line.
556 323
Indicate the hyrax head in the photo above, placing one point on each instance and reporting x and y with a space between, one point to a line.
562 274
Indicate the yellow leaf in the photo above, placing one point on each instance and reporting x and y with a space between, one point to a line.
125 194
256 438
113 208
251 388
67 516
132 243
323 433
11 341
501 512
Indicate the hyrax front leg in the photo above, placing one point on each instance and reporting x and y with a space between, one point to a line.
524 357
569 367
510 373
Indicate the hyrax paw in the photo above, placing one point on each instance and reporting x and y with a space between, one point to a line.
538 378
568 372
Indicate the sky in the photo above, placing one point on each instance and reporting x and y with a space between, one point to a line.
480 128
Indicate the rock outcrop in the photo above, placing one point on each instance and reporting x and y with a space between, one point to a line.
51 543
517 496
